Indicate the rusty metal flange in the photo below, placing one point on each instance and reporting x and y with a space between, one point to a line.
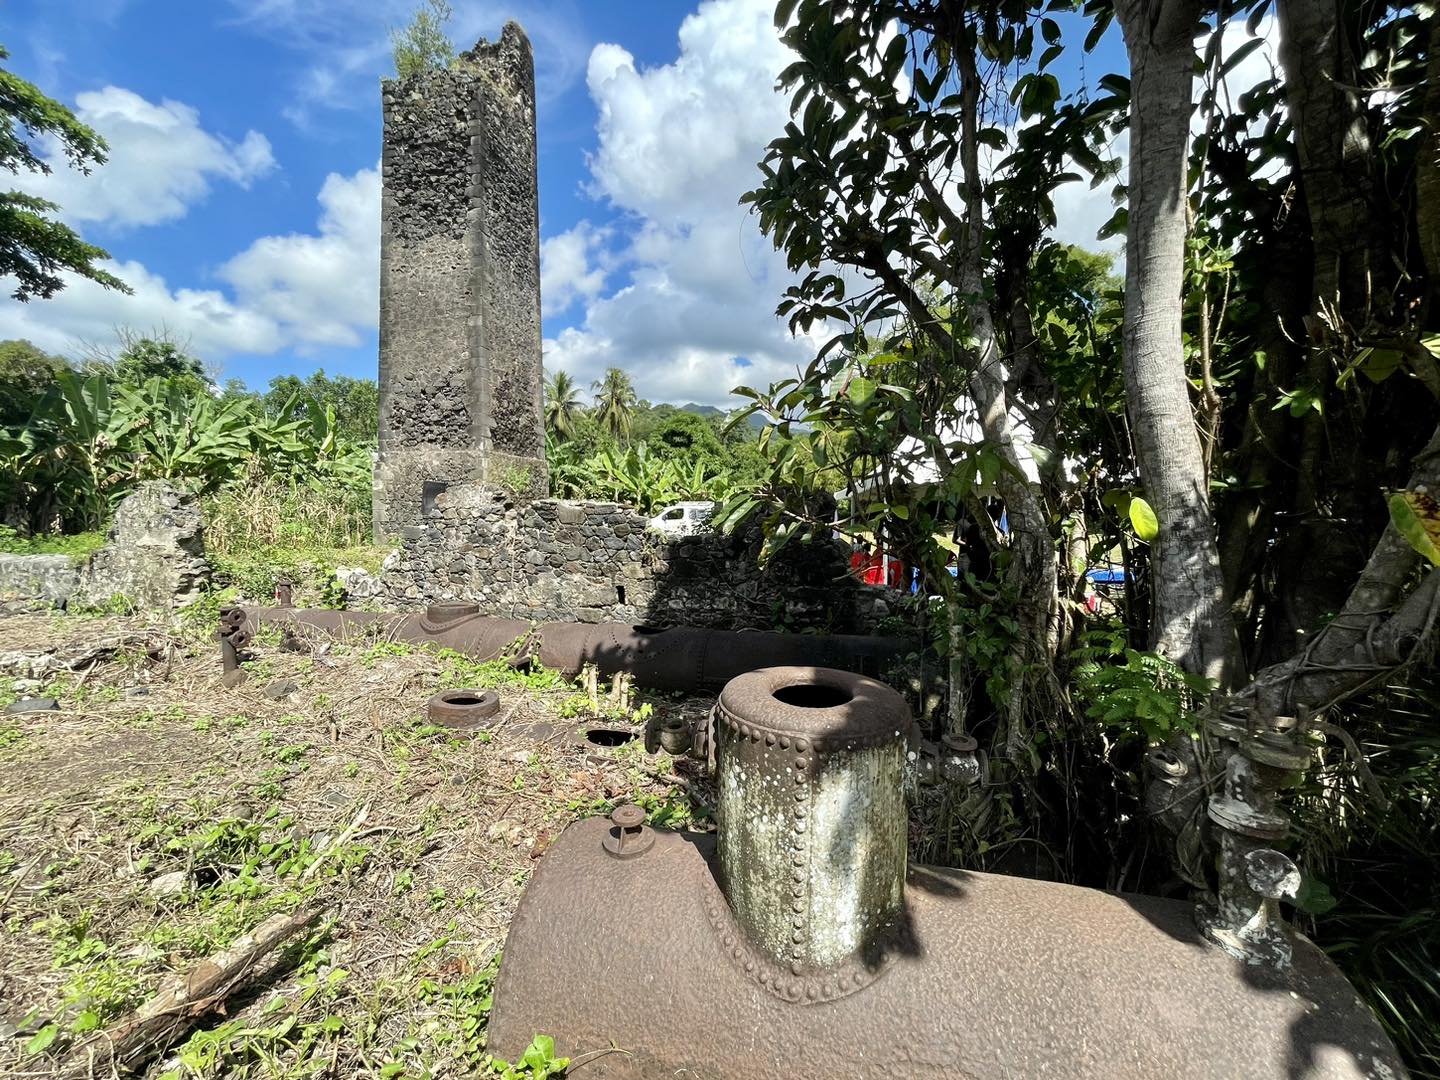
463 708
786 738
440 617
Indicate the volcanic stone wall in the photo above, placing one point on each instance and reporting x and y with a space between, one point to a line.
153 558
460 371
595 562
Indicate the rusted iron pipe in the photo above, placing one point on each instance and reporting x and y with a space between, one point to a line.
455 627
680 658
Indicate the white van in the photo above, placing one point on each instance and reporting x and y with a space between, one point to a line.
683 519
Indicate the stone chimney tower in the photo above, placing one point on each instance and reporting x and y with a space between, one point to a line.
460 377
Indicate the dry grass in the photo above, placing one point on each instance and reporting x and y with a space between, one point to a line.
415 841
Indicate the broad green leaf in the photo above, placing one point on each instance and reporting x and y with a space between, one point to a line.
1382 364
1118 499
862 389
1314 896
1143 520
1417 518
41 1040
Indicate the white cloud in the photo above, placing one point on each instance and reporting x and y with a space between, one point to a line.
161 162
573 266
346 44
678 145
320 289
298 291
84 312
1081 210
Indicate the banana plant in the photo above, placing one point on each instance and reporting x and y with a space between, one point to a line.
180 436
635 477
78 429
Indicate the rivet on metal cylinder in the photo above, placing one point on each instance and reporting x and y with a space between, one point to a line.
810 763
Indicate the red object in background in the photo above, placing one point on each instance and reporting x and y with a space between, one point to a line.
874 569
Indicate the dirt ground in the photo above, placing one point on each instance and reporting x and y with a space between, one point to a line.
158 817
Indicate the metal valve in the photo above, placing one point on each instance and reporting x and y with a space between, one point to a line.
630 836
1272 874
670 733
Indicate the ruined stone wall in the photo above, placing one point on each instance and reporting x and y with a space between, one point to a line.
153 558
595 562
460 371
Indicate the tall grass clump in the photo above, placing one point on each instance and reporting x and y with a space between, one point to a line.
263 510
262 527
1370 832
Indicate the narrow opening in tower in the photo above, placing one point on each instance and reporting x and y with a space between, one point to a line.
431 490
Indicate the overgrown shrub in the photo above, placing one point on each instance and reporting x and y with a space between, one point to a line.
90 440
261 528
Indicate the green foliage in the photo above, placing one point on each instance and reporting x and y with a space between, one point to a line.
1380 857
634 475
536 1063
423 44
25 374
78 546
463 672
562 405
36 249
1416 516
133 358
91 438
303 1028
615 404
987 635
1143 520
1143 692
354 404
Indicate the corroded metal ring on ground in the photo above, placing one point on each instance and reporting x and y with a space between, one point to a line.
463 708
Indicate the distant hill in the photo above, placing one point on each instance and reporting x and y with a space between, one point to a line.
756 422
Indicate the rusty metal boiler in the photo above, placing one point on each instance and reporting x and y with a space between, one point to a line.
796 942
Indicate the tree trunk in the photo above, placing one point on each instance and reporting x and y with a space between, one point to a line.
1427 173
1334 152
1378 629
1350 285
1191 624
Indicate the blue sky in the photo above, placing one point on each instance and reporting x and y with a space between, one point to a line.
242 201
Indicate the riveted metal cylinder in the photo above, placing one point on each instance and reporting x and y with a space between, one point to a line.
812 819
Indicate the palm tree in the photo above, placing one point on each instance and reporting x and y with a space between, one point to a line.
562 405
615 403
